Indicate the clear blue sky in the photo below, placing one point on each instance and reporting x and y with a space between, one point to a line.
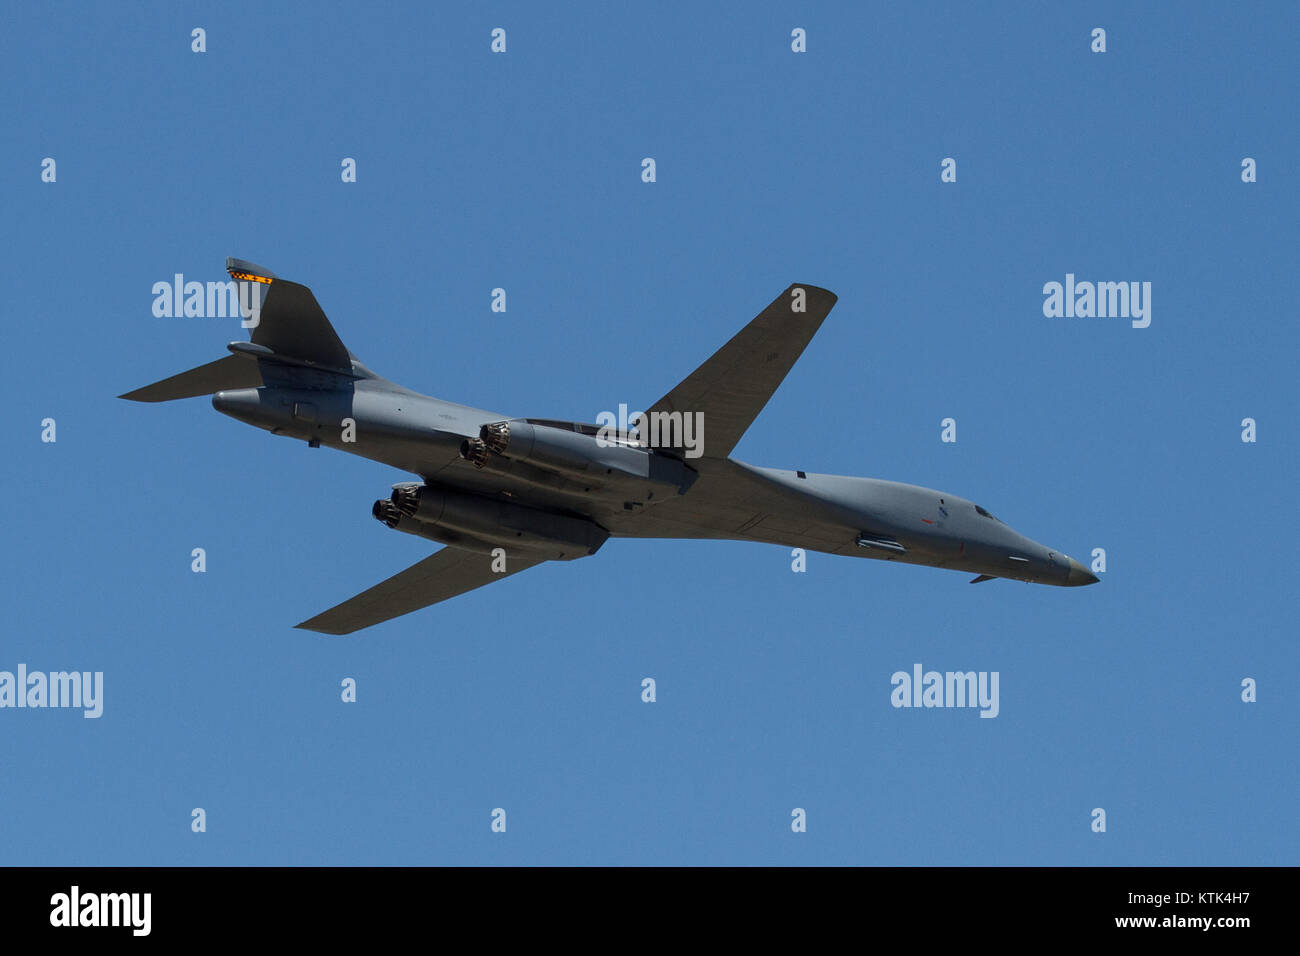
523 171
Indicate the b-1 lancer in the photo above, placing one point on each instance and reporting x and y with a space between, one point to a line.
504 494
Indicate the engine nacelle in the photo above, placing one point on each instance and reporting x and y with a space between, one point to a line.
387 512
576 453
481 524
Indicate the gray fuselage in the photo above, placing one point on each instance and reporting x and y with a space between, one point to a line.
633 491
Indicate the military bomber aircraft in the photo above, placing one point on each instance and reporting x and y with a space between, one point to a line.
504 494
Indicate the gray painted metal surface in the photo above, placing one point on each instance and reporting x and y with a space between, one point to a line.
504 494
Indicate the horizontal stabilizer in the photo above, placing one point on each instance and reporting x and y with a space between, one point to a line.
288 331
442 575
233 371
984 577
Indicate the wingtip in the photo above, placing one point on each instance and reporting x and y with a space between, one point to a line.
815 290
308 626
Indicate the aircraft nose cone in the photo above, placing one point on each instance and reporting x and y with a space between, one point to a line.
1079 575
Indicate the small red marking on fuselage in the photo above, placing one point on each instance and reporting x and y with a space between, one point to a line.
927 521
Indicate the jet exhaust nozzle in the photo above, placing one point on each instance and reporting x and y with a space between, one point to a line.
406 500
475 451
384 510
496 436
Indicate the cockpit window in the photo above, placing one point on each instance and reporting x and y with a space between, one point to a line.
986 514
